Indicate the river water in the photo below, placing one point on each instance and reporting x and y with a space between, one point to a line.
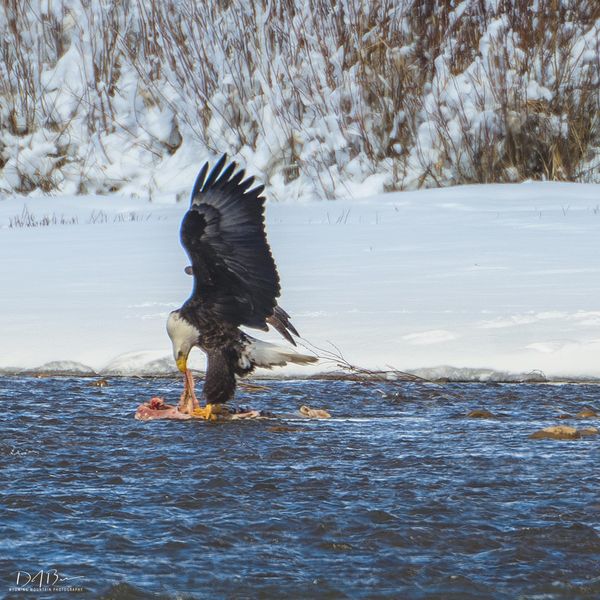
399 495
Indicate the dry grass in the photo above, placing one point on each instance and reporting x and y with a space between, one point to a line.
372 69
535 137
27 219
316 87
101 217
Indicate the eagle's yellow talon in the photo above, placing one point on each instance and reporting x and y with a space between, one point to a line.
207 412
211 415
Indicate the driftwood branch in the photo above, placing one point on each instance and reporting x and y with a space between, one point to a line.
335 358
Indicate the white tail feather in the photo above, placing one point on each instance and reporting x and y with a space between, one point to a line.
267 355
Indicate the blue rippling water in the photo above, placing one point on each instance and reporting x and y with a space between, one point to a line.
398 496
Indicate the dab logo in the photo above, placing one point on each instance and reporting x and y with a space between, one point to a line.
49 580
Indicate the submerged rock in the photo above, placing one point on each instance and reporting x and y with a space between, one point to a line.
284 429
98 383
314 413
479 413
586 413
586 431
556 432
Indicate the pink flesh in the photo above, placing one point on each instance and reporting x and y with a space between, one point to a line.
157 409
160 410
166 411
145 413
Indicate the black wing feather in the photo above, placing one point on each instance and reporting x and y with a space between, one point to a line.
199 181
235 278
280 320
214 174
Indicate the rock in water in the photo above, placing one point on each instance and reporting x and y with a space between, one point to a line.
98 383
586 413
556 432
284 429
314 413
479 413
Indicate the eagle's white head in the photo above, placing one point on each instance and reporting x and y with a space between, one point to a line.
184 336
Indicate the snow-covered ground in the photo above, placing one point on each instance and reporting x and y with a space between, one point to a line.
502 277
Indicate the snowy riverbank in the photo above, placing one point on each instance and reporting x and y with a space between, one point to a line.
499 277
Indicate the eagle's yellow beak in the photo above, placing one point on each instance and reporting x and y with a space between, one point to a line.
182 363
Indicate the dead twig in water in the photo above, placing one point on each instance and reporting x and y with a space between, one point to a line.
392 375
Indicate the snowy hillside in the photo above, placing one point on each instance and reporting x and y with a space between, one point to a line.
321 99
502 277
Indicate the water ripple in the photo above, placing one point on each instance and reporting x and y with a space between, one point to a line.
398 495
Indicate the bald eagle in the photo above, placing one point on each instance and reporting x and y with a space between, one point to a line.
235 284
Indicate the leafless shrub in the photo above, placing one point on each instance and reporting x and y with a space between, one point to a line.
428 92
536 98
362 73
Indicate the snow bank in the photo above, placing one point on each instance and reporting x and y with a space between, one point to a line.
498 278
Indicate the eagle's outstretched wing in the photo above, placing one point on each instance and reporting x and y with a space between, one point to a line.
223 233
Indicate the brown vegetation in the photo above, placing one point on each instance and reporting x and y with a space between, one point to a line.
289 77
